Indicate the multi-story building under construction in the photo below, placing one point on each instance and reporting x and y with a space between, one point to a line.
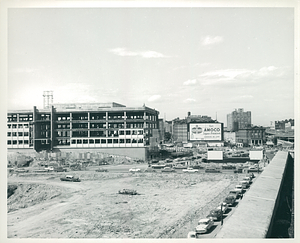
111 127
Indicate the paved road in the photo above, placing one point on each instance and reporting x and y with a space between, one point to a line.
217 224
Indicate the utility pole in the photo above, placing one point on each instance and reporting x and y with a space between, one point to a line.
221 213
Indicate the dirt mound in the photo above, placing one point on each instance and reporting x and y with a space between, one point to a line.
25 195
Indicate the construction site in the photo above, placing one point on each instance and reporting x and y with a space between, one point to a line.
167 205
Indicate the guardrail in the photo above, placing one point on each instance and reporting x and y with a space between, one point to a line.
265 211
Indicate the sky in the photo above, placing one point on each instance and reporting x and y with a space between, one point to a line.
207 61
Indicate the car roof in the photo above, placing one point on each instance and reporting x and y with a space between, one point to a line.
204 220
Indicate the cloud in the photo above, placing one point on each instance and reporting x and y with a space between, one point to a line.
123 52
190 82
151 54
144 54
243 76
189 100
211 40
154 98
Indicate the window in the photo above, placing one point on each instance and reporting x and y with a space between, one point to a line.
97 141
109 140
20 134
134 141
127 132
91 141
134 132
85 141
20 141
122 141
79 141
14 141
73 141
128 141
20 125
8 141
122 132
9 134
14 126
103 140
116 141
140 140
25 141
14 134
8 125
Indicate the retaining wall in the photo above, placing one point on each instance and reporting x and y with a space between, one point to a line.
263 209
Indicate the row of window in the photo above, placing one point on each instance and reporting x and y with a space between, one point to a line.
106 141
98 133
18 125
29 117
20 134
22 117
9 142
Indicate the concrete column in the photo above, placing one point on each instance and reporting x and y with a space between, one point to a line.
89 124
106 131
125 118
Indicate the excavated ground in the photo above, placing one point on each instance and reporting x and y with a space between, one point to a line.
168 205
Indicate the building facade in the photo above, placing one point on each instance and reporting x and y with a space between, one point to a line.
238 119
88 125
251 136
180 131
197 128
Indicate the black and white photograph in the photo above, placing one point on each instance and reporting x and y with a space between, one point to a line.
139 120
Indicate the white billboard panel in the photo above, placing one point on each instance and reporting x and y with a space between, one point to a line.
206 131
256 155
215 155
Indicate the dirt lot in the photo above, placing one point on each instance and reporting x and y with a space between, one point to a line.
169 204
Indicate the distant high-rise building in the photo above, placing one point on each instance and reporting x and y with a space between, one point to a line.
238 119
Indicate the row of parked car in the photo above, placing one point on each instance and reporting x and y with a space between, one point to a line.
204 225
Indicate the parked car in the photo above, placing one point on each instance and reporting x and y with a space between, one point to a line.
224 207
215 214
158 166
70 178
248 178
190 170
101 170
20 170
204 225
239 188
244 184
180 166
60 169
134 170
149 169
235 193
49 169
212 170
167 169
128 192
230 200
198 167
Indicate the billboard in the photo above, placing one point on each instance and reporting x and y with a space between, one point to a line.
256 155
215 155
206 131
